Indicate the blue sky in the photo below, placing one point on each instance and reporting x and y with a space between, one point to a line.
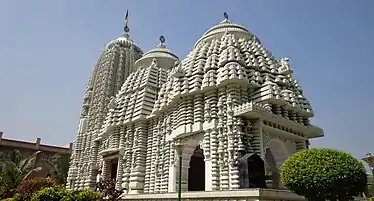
48 49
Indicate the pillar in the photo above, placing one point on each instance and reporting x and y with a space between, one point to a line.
208 174
137 175
106 172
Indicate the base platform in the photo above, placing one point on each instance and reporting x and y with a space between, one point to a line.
234 195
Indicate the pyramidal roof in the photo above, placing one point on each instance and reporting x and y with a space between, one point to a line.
229 53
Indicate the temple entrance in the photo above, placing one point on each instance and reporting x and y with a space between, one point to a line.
113 169
196 171
271 171
276 153
251 171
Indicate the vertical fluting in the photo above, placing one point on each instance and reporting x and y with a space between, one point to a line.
234 125
137 174
121 146
147 179
127 157
152 182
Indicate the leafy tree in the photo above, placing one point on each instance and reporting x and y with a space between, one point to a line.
13 170
324 174
60 167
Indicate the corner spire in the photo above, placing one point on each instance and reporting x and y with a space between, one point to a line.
126 28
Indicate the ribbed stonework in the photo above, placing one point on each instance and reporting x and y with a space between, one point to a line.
230 96
110 72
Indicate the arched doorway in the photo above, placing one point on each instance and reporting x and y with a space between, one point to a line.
196 171
276 153
251 171
272 170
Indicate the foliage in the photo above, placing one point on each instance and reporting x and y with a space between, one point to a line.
58 193
324 174
60 167
30 186
7 199
108 190
13 170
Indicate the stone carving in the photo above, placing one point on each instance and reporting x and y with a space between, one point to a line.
138 107
285 66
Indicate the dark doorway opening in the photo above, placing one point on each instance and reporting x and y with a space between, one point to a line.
273 177
196 172
251 171
114 166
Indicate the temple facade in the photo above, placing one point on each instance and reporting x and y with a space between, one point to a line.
230 113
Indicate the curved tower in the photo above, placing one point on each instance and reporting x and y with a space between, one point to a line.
111 70
124 134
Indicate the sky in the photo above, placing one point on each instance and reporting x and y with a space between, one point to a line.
48 50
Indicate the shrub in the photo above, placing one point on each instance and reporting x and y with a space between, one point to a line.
28 187
59 193
324 174
7 199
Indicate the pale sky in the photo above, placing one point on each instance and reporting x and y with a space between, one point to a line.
49 47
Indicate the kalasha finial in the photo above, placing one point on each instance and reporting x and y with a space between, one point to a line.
226 15
126 28
162 39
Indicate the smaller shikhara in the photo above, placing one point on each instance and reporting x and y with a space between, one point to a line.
229 98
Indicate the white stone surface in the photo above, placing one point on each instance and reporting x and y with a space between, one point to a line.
229 94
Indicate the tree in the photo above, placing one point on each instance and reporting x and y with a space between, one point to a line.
13 170
324 174
60 167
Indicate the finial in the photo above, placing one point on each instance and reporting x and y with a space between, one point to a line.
162 41
226 15
126 28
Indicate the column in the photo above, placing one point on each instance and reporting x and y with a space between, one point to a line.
208 174
137 175
119 170
106 166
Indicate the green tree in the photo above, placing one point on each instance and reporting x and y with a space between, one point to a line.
324 174
13 170
60 167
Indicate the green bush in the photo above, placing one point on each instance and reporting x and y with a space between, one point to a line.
7 199
324 174
59 193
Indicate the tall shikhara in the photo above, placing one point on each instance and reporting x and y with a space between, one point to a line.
110 72
229 100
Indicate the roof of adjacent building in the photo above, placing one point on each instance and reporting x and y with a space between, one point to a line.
36 146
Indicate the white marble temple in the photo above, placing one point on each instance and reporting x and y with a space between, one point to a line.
229 95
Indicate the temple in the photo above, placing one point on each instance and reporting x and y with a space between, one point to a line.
230 110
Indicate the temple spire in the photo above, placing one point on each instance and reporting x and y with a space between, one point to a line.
126 28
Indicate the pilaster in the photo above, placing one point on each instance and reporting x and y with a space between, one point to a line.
137 175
